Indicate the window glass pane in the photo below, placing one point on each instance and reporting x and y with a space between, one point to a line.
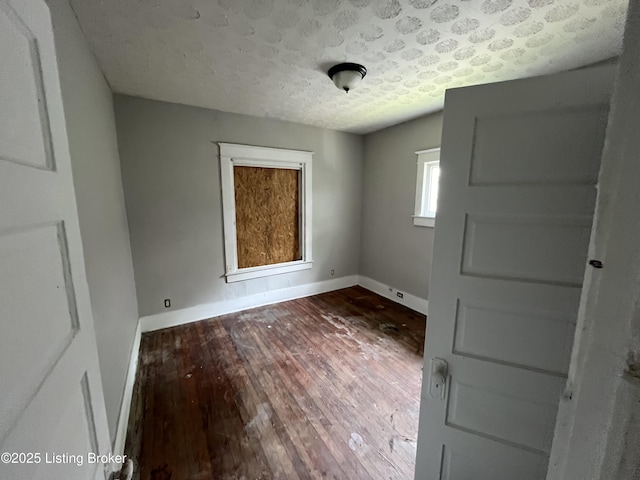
424 201
432 191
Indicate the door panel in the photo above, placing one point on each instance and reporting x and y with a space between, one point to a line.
548 248
76 417
519 314
24 135
511 406
570 134
519 163
36 259
466 462
52 398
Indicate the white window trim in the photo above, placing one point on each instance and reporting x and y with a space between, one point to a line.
425 157
251 156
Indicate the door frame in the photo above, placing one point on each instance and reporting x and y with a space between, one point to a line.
598 423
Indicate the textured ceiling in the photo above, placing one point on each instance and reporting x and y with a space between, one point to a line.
269 58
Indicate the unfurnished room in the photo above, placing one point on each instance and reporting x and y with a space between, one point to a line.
320 239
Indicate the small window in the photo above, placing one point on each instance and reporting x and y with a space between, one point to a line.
266 200
427 180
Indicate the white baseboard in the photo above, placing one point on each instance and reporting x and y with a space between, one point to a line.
201 312
415 303
125 405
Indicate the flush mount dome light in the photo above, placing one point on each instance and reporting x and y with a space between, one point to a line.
347 76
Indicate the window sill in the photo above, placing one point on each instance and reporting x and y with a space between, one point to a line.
419 221
267 270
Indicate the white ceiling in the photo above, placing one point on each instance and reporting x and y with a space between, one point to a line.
269 58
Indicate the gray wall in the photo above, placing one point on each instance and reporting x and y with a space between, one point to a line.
171 178
103 226
393 250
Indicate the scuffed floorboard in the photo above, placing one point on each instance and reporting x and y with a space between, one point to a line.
321 387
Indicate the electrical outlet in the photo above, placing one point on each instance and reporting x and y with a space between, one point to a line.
333 272
167 302
400 294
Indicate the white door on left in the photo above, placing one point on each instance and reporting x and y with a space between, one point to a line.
52 414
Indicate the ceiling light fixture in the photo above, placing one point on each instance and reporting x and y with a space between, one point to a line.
347 76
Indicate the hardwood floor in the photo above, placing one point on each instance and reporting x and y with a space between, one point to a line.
321 387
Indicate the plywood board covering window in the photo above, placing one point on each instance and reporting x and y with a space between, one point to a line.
267 215
266 204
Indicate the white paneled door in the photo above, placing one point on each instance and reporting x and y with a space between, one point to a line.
52 415
519 166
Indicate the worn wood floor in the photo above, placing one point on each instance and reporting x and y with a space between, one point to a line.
321 387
